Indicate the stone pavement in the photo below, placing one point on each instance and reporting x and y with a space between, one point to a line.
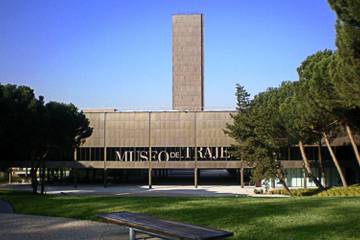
142 190
5 207
29 227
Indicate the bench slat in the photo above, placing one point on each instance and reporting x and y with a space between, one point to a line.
163 227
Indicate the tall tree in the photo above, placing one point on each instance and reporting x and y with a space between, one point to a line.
297 126
313 105
19 134
66 129
32 131
258 131
345 71
350 120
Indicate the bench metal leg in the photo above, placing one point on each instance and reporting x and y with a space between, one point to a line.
132 234
150 235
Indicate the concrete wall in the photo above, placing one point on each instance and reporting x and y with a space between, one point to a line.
167 129
187 60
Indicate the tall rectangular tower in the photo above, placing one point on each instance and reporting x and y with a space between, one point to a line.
188 63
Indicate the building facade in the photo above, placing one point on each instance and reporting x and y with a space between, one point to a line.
186 137
188 62
179 131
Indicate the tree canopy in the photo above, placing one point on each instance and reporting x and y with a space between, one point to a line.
346 65
320 105
31 130
258 129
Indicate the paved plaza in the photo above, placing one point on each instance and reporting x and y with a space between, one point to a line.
216 183
29 227
141 190
5 207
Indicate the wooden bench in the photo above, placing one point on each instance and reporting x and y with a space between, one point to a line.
162 228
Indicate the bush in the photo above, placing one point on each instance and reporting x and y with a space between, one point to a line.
296 192
4 177
258 191
353 190
278 191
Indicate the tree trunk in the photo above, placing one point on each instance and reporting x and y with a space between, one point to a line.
321 164
42 172
34 182
48 175
285 186
307 167
353 143
281 176
333 157
10 175
42 179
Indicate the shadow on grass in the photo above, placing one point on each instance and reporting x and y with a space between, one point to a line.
248 218
344 229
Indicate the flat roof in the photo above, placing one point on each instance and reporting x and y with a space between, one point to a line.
100 110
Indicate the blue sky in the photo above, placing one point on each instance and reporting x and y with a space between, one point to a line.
118 53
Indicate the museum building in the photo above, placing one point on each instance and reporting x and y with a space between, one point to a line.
188 137
166 139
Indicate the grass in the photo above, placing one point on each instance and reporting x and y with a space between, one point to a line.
249 218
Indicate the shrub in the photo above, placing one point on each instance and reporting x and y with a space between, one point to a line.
258 191
353 190
296 192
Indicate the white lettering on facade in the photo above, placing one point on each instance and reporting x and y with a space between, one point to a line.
205 153
122 157
144 155
200 154
165 154
208 153
216 155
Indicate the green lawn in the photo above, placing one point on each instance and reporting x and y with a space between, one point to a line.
249 218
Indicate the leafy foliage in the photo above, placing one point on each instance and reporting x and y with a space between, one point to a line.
29 125
20 122
308 112
31 130
346 67
258 130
